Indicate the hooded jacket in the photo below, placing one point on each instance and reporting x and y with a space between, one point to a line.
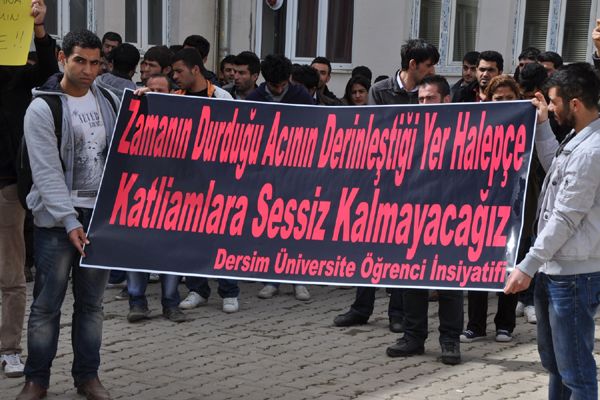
388 91
115 83
50 196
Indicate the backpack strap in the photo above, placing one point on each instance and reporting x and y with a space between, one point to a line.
55 104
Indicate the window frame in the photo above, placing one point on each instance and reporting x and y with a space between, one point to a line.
291 24
555 32
63 17
142 24
446 66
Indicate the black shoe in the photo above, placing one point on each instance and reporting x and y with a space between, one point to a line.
138 313
451 353
405 347
396 325
174 314
350 318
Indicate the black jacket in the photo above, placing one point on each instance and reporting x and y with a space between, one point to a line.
466 94
296 94
388 91
15 95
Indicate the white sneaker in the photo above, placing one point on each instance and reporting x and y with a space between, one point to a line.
301 293
231 305
530 315
192 300
12 365
268 291
520 309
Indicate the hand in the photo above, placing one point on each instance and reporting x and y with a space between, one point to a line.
38 11
596 37
517 282
78 238
141 91
539 102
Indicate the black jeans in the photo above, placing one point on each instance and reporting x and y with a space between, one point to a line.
451 314
365 301
505 316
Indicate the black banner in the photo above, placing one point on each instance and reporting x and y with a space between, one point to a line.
420 196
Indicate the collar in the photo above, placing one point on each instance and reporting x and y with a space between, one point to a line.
581 136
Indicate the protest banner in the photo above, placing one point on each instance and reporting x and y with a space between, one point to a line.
16 29
420 196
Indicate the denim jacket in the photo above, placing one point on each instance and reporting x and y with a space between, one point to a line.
568 240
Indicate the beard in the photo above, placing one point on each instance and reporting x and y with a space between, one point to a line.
566 119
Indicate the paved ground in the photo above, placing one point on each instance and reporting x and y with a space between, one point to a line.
286 349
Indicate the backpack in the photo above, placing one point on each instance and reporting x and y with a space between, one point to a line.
24 177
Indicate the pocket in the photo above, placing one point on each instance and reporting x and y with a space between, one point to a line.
593 289
561 288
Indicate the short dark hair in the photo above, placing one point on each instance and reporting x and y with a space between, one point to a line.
169 81
191 58
228 59
305 75
471 57
322 60
356 80
550 56
250 59
438 81
492 56
532 77
276 68
124 58
199 43
529 53
418 50
82 38
364 71
161 54
113 36
577 80
175 48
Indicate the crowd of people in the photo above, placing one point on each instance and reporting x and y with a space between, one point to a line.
67 129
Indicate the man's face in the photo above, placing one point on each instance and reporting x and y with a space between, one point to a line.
430 94
469 72
324 75
278 88
158 84
243 80
561 109
108 45
549 65
423 69
81 67
183 76
228 72
504 93
149 68
486 70
523 62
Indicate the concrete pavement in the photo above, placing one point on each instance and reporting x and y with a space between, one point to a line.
286 349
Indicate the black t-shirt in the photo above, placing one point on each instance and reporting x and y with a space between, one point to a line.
203 93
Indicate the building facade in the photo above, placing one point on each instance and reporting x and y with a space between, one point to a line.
348 32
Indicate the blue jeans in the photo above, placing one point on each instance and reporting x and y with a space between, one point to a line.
565 306
198 284
55 258
138 281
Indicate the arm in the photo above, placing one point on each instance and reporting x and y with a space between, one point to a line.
44 47
46 166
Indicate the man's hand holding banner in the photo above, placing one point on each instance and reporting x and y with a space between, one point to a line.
420 196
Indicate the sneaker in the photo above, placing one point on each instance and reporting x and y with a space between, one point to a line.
123 295
153 278
268 291
502 335
138 313
530 314
519 311
301 293
174 314
12 365
405 347
451 353
192 300
469 336
230 305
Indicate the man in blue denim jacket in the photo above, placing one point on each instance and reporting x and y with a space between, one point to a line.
566 251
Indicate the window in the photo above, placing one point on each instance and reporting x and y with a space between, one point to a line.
562 26
450 25
146 22
63 16
305 29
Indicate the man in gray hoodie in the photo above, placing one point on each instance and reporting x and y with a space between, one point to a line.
66 177
123 61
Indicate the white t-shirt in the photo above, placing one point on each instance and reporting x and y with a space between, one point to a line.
89 148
